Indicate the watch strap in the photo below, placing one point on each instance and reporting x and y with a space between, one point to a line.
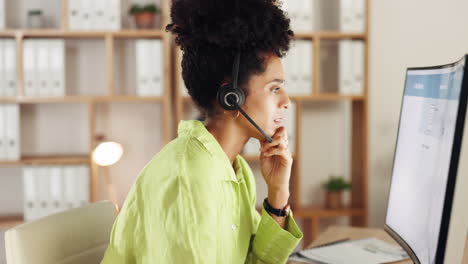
278 212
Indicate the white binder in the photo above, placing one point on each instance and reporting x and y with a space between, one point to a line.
287 71
352 16
56 200
290 125
358 16
143 66
3 82
30 200
345 74
42 185
100 7
295 69
12 132
10 67
2 15
113 15
29 66
70 187
358 67
157 69
43 67
82 176
292 8
3 138
86 22
57 67
307 14
306 61
74 14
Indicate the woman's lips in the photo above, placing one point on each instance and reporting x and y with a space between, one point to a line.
278 121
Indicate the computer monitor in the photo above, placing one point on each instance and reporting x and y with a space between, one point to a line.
427 206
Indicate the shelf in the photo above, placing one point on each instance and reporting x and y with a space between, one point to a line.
329 35
48 160
59 33
128 98
81 99
312 98
9 221
154 33
322 212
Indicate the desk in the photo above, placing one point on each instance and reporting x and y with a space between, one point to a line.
334 233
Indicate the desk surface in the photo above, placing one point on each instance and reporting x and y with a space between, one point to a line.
334 233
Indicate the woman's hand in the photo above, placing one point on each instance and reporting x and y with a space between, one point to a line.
276 163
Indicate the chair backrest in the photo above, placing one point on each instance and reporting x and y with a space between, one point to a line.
79 235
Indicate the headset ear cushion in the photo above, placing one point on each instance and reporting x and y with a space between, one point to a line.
227 90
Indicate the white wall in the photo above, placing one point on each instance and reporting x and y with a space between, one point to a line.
404 34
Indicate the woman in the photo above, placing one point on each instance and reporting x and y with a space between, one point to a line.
194 202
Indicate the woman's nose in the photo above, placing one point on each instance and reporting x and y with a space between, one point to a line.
286 102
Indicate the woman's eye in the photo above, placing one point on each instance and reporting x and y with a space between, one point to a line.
275 89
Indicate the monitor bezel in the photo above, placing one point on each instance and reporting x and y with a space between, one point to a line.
453 167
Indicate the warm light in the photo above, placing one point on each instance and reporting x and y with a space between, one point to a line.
107 153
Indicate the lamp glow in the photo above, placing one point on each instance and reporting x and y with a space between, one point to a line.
107 153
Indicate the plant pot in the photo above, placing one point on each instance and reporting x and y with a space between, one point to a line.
333 199
144 20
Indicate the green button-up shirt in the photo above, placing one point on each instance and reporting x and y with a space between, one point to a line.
190 205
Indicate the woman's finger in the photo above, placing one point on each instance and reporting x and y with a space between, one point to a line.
280 138
278 151
282 144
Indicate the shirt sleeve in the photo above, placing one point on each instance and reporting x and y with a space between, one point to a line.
270 243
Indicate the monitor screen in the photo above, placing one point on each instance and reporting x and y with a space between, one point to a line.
423 158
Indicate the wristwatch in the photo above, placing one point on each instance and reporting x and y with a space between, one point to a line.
278 212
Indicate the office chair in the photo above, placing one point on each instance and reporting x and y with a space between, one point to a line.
79 235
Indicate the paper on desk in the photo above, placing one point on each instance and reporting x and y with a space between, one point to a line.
364 251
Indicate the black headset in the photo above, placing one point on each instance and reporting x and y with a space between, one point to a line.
232 97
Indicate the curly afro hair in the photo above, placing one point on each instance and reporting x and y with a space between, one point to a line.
211 32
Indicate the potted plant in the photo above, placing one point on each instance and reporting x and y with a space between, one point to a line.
145 15
334 188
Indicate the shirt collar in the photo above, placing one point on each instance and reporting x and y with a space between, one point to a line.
197 129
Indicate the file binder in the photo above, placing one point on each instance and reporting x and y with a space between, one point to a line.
69 187
290 125
29 66
3 137
74 14
2 15
157 73
42 71
345 74
82 176
358 67
43 190
3 82
57 67
56 194
12 132
9 67
30 194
